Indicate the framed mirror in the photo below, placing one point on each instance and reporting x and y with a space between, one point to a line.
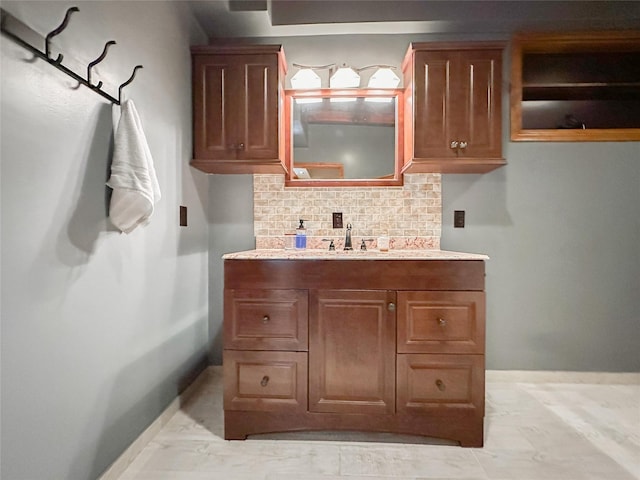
343 137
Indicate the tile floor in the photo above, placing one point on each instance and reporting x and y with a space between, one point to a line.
533 431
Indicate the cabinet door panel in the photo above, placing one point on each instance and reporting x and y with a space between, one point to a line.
480 103
265 319
441 322
428 382
265 381
351 351
260 100
215 114
433 108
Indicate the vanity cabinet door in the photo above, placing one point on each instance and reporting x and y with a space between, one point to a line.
237 103
352 351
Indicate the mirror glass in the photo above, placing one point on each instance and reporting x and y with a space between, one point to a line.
343 137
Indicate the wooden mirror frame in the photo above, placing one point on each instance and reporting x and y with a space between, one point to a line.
395 179
565 43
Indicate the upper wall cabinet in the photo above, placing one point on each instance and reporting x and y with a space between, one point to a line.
453 118
575 87
238 95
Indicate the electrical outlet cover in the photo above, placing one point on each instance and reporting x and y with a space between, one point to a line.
337 220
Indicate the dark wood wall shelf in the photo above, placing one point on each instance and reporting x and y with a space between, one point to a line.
575 87
582 91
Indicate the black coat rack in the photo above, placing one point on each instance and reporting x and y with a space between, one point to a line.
9 24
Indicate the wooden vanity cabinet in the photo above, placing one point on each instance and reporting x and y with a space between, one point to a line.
238 96
453 120
365 345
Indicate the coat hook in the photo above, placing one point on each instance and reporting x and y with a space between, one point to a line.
127 83
53 33
98 60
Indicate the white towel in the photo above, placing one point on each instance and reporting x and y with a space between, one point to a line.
133 177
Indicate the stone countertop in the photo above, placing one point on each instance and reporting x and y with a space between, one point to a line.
309 254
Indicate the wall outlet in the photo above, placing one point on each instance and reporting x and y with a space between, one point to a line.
337 220
458 218
183 216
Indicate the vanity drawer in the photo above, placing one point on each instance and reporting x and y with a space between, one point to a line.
265 381
266 320
426 382
441 322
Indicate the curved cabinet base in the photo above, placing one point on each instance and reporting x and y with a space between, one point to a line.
463 427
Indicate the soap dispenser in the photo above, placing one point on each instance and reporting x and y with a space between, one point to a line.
301 236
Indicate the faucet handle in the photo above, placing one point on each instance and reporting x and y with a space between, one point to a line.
363 244
332 246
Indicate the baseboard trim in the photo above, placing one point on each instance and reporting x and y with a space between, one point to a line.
118 467
542 376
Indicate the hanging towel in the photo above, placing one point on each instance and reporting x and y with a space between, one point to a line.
133 177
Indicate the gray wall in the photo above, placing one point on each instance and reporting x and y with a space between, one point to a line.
561 223
100 330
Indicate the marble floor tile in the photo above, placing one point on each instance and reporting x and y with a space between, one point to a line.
607 421
231 460
535 465
421 461
533 431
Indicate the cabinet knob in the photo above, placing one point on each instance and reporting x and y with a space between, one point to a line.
440 385
240 146
265 319
442 322
454 145
391 307
264 381
463 145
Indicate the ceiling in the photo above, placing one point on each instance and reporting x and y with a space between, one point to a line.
282 18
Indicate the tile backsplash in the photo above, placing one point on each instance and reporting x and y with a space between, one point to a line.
411 215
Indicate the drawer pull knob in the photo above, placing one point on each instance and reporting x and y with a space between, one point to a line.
440 385
264 381
454 145
463 145
391 307
265 319
442 322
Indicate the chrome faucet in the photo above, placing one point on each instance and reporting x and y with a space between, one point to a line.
347 240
